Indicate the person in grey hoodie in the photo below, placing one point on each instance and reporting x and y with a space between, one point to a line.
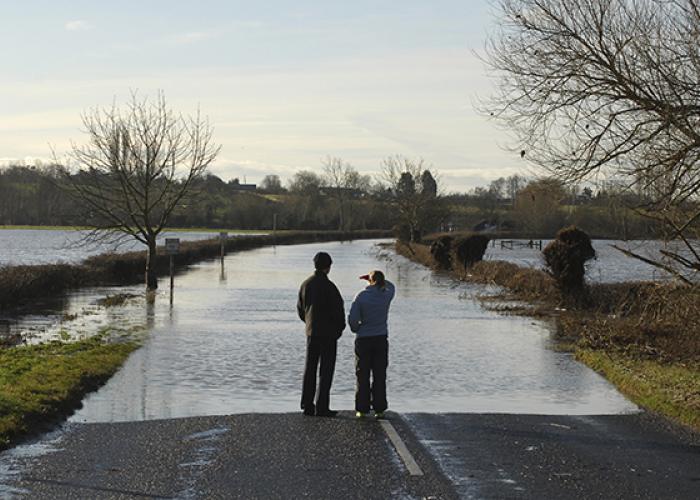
368 319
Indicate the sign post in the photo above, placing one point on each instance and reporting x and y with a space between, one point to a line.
274 229
172 247
223 236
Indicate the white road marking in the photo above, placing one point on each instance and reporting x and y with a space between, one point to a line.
401 449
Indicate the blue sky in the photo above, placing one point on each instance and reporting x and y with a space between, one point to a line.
284 83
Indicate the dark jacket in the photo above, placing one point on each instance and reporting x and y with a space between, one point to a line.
320 306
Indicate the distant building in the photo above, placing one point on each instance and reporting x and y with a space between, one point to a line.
237 186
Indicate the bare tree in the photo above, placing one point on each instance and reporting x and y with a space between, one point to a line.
138 164
415 192
343 182
607 87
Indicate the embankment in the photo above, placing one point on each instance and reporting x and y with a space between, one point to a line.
22 284
643 336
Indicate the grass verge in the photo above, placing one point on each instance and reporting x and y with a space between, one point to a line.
669 389
42 384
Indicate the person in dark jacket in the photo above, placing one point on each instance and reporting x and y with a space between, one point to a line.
320 306
368 319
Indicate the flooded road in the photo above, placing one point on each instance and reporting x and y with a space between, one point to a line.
232 343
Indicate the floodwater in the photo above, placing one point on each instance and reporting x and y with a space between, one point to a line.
609 266
232 343
34 246
40 246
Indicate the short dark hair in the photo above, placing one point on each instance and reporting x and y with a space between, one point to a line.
322 260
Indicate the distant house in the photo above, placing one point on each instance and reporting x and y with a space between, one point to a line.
237 186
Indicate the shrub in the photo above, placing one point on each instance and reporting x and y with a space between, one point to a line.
441 250
402 232
471 249
566 256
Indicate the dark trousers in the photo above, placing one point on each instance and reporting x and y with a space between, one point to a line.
319 351
371 357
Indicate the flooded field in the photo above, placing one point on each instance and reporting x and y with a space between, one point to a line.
32 246
232 344
39 246
609 266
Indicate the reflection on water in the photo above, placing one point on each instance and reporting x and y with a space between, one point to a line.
232 344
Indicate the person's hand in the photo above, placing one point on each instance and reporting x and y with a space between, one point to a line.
365 277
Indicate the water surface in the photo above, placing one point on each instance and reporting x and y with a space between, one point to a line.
232 343
46 246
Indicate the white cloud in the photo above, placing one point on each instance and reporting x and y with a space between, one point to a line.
77 25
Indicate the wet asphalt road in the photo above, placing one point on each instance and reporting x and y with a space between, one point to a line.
291 456
240 456
538 456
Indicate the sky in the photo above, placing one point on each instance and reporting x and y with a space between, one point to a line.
285 84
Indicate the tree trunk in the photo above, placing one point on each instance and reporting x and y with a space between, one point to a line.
151 277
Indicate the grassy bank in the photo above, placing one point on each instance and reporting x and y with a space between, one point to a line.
40 385
22 284
643 336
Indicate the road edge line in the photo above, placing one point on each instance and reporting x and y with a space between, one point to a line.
401 448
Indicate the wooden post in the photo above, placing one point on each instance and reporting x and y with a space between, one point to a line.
274 229
223 236
172 277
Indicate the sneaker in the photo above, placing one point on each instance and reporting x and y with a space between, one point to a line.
361 414
379 415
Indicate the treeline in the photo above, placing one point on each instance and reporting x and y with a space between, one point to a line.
540 207
351 201
39 196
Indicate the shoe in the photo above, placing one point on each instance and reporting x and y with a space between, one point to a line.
309 412
326 413
361 414
379 415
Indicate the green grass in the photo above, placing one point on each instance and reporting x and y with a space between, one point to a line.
39 385
669 389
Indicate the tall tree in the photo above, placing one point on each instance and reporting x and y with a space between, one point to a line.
271 184
607 87
415 192
306 188
138 164
344 183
